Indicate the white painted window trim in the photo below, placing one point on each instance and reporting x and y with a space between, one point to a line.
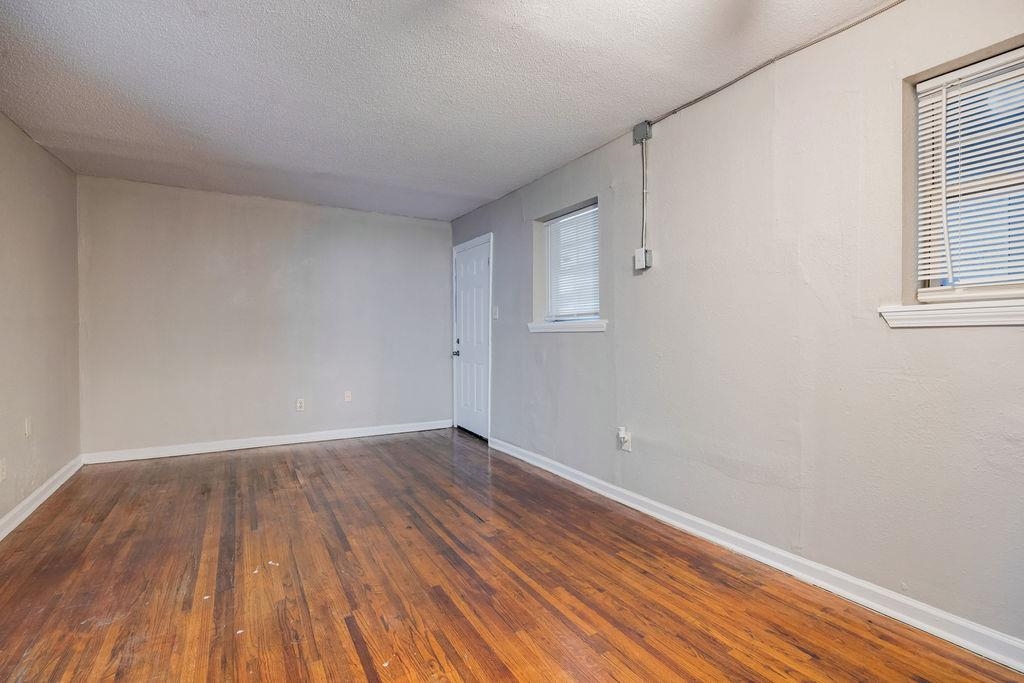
569 326
939 295
955 314
970 303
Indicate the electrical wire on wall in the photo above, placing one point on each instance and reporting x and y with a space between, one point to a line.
643 213
642 257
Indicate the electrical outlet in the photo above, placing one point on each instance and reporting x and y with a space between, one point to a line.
300 404
625 440
3 469
28 427
348 397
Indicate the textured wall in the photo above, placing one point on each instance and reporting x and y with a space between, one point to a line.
38 315
204 316
763 391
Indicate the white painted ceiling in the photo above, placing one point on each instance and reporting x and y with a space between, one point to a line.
424 108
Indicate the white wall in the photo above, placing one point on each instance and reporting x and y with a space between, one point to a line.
38 315
204 316
763 391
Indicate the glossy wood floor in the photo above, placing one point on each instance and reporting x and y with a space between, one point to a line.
410 557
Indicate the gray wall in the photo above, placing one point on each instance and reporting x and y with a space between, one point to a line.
763 391
38 315
204 316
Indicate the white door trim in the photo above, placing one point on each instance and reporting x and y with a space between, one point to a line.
486 238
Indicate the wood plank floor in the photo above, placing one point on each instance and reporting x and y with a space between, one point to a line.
408 557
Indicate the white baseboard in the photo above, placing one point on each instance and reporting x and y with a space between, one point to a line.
1000 647
257 442
22 510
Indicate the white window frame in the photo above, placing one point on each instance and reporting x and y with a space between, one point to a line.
545 320
969 304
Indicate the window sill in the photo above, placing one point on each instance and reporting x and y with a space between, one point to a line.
569 326
959 314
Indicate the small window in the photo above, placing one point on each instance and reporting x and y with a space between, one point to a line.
970 182
572 258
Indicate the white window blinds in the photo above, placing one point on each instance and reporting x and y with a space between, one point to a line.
970 147
573 265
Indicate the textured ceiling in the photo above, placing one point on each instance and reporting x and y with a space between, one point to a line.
424 108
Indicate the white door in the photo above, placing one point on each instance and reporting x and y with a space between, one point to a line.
472 343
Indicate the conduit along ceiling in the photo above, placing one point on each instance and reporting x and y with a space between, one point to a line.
425 108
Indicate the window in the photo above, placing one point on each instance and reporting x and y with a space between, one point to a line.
572 266
970 182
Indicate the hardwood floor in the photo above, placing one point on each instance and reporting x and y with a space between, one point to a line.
409 557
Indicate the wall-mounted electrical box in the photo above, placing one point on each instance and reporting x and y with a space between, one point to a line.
642 258
641 132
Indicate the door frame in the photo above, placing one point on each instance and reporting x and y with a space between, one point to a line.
486 238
